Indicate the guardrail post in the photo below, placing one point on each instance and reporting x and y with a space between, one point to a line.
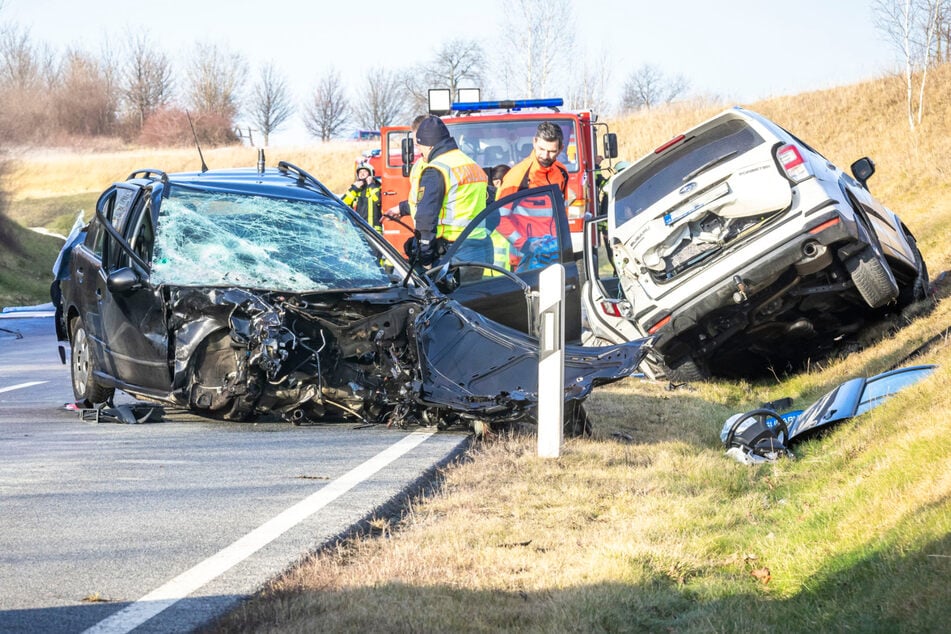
551 360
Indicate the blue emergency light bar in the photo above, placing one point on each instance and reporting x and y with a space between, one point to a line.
509 104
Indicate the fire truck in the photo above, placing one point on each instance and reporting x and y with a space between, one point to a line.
497 132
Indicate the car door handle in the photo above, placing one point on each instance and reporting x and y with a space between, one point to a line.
390 193
80 274
571 287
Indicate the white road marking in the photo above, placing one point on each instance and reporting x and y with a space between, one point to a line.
21 386
191 580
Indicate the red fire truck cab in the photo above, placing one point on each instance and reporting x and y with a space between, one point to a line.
497 132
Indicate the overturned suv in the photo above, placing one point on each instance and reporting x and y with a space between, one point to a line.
741 247
239 293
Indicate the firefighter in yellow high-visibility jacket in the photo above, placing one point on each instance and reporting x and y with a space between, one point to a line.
364 196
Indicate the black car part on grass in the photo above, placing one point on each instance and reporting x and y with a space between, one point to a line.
764 434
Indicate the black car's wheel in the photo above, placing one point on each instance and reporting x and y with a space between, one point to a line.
918 289
577 422
872 277
86 388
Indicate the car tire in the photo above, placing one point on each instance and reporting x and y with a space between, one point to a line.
82 368
872 277
686 369
577 423
920 286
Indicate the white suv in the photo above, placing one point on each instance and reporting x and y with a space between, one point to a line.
738 245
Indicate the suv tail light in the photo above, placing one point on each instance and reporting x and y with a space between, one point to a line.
797 170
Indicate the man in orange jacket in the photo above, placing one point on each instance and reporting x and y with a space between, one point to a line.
541 167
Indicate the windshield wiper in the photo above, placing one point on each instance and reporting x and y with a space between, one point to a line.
703 168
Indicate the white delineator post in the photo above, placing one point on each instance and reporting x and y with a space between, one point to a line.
551 360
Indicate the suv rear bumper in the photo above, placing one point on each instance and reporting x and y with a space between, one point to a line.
810 250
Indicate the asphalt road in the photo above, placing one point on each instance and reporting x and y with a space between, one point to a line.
160 527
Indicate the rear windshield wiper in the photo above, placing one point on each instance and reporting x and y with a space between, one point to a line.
703 168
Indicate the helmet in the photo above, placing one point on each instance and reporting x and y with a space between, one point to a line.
364 166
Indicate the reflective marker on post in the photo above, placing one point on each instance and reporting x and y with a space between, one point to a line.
551 360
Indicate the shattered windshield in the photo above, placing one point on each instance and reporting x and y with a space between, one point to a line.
232 239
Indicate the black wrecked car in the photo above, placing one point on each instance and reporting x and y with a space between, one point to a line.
244 292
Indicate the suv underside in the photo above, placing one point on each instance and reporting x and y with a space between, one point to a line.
781 327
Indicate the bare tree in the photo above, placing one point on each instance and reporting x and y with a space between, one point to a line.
913 28
145 78
270 101
215 78
27 71
22 63
329 109
590 86
84 100
456 64
382 100
537 37
943 40
648 86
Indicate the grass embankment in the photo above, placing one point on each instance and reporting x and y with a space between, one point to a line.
26 261
648 526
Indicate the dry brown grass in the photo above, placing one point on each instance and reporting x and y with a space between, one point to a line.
39 174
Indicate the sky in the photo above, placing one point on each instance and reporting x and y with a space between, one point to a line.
737 50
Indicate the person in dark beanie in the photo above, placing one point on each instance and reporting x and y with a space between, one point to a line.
452 191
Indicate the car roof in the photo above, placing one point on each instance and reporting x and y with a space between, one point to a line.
277 182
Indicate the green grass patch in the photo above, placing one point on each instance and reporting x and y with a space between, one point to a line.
26 263
55 213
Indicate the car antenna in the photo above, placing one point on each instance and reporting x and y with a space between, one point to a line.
204 168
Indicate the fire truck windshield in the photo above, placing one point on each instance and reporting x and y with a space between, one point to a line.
491 143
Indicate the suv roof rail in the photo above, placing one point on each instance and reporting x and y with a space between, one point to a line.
302 176
149 173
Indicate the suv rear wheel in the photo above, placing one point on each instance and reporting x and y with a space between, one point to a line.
872 277
686 369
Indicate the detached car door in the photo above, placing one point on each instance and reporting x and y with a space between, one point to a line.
132 312
496 262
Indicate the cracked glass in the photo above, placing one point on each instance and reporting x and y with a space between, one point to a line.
232 239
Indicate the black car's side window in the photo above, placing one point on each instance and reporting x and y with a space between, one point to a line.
143 237
116 210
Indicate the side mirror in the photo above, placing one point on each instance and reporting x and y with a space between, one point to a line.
407 151
123 280
862 170
610 145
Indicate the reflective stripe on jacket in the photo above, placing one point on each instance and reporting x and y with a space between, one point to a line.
418 166
528 173
466 184
366 202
